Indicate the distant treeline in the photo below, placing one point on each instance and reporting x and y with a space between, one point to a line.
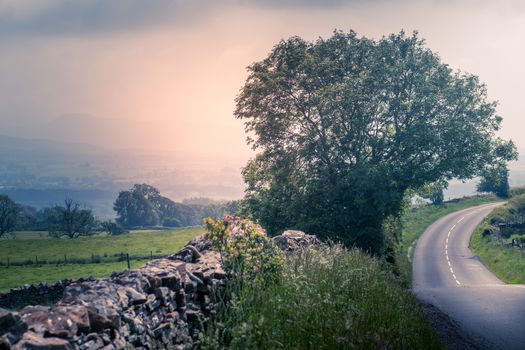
141 206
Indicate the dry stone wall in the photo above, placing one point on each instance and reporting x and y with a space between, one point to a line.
41 293
162 305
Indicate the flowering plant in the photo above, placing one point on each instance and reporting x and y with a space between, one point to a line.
245 249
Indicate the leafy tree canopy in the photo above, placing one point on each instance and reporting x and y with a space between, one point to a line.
143 205
495 180
433 191
346 125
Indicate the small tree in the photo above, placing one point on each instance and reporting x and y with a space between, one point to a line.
70 220
433 192
9 211
495 180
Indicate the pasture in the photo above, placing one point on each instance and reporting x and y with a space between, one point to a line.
37 258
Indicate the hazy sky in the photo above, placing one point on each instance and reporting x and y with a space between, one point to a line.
163 74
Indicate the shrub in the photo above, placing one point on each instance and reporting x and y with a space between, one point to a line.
113 228
245 249
487 232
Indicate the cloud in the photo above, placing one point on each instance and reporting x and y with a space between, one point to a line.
91 17
94 17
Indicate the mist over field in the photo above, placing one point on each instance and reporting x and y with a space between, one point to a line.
94 99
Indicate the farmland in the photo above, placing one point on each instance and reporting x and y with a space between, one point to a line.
36 258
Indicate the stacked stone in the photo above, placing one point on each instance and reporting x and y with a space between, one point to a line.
159 306
34 293
292 241
162 305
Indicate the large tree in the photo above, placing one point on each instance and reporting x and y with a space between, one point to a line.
143 205
135 209
9 211
346 125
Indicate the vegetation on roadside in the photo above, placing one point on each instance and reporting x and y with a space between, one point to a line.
246 251
500 240
331 298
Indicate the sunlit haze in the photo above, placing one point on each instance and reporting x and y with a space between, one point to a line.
162 76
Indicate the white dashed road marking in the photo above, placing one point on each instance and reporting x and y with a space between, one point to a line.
446 250
448 236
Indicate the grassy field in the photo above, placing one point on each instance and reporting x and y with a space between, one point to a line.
15 276
331 299
505 261
415 222
137 243
22 235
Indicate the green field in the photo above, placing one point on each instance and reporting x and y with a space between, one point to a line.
416 221
14 276
107 250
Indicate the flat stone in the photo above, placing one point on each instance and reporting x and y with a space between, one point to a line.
33 341
7 320
163 294
58 321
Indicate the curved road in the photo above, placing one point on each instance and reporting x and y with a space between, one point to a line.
448 275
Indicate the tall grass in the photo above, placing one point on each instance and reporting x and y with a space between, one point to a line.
328 299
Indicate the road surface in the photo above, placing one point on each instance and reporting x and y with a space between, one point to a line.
448 275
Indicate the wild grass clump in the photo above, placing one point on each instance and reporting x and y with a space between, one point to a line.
330 298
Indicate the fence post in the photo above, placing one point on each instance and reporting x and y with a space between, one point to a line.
151 254
36 259
7 262
127 258
65 259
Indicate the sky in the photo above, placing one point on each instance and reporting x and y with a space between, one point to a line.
163 74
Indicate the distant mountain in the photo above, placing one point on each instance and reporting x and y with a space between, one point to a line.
185 137
110 133
17 150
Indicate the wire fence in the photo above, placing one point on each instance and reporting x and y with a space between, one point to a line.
69 259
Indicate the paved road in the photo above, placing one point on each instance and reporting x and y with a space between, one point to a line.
448 275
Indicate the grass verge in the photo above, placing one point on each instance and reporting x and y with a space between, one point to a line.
498 254
417 220
328 299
